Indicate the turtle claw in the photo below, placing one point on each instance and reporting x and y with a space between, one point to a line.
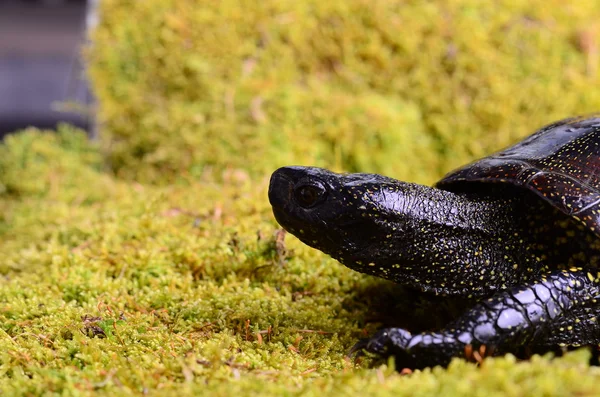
379 344
409 351
359 348
372 345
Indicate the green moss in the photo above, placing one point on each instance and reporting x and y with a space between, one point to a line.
190 289
151 263
178 98
36 163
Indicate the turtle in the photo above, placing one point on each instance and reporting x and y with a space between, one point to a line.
517 232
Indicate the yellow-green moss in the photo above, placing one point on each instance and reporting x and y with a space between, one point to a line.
209 84
189 290
110 284
35 163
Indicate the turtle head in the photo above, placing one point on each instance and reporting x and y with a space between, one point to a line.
343 215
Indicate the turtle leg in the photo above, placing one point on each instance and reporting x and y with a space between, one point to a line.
580 327
577 327
503 323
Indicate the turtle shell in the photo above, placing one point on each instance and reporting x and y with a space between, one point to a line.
560 163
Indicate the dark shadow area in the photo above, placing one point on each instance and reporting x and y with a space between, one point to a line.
393 305
41 73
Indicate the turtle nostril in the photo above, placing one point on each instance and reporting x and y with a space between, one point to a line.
280 190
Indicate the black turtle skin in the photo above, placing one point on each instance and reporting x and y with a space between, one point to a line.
517 231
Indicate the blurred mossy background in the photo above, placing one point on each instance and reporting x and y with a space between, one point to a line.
149 262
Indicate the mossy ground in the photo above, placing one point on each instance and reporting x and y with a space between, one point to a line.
150 262
113 287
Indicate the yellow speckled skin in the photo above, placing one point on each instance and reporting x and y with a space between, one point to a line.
518 230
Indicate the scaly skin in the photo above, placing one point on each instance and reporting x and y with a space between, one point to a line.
521 316
502 245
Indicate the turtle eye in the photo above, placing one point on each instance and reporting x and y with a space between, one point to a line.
309 195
